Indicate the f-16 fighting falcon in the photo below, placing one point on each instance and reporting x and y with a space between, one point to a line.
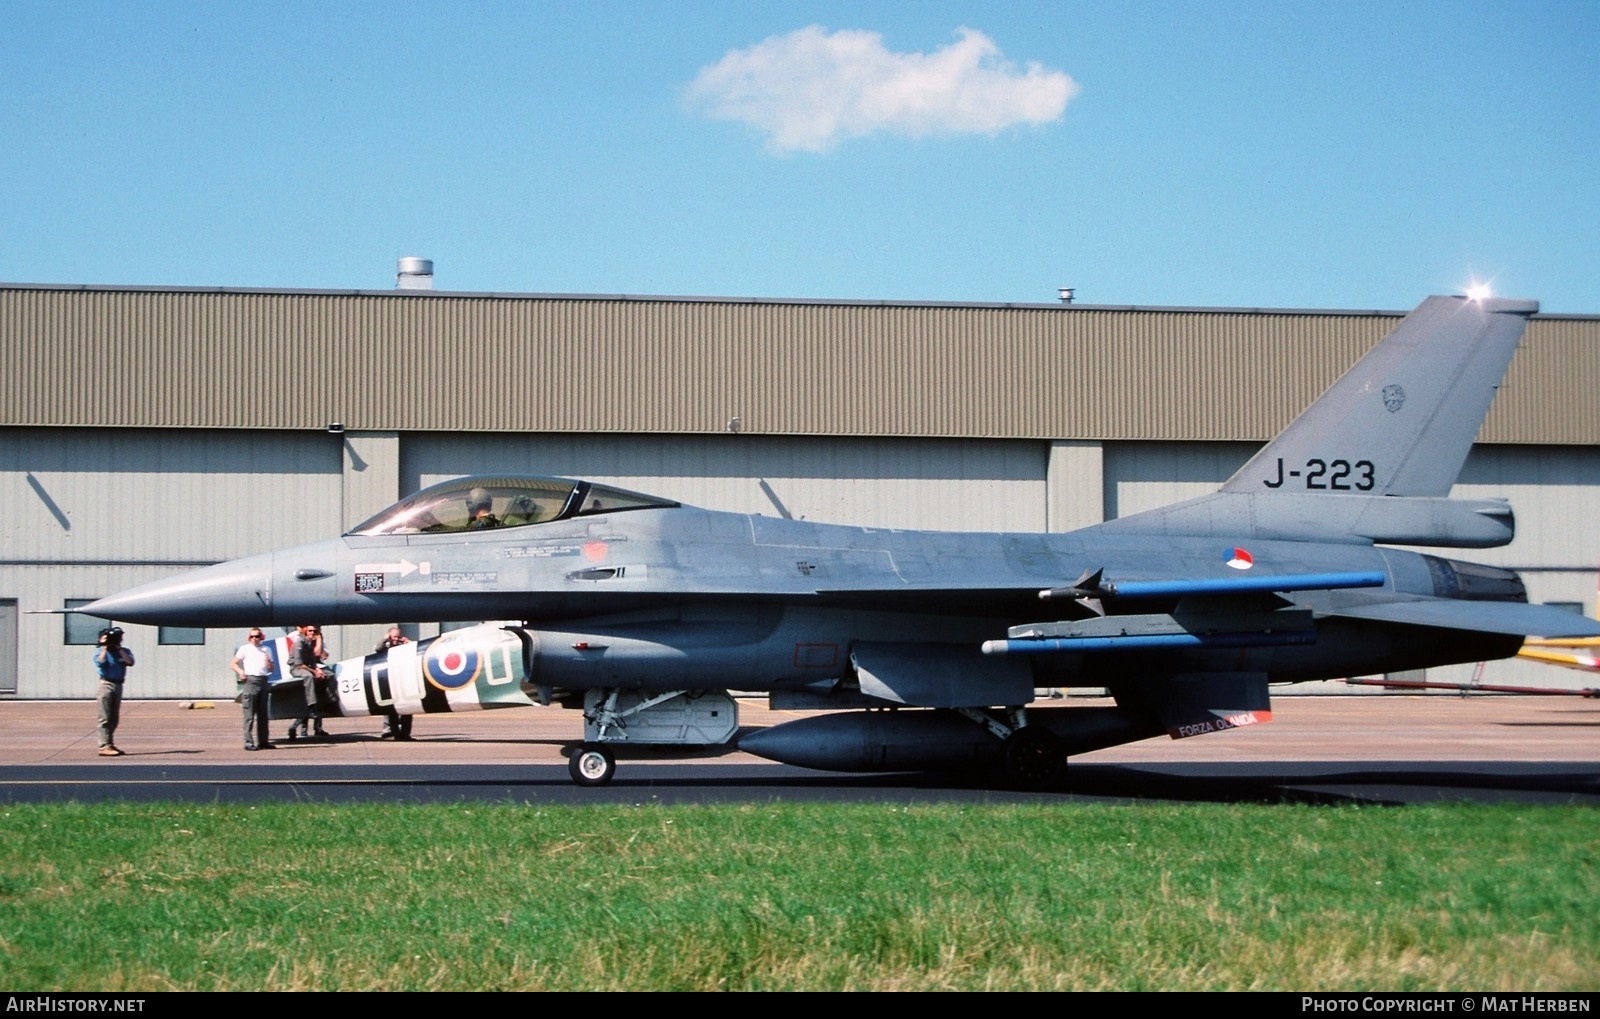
926 650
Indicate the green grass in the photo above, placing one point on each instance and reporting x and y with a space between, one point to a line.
136 897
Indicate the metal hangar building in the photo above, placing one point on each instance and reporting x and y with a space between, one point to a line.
148 430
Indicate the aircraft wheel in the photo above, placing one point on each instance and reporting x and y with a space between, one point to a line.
591 764
1034 759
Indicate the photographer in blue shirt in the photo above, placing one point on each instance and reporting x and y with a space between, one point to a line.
111 660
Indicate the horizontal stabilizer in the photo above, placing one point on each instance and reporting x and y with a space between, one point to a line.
1517 618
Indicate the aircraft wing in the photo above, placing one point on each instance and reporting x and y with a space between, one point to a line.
1092 593
1245 599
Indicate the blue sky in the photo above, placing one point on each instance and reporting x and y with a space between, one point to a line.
1236 154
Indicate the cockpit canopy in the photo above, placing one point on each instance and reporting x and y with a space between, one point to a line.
483 502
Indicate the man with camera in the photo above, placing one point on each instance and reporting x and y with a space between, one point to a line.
111 660
395 725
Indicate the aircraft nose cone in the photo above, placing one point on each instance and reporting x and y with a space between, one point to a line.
237 593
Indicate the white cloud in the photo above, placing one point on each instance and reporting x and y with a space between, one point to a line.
809 89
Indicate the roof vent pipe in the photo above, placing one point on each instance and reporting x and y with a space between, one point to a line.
414 274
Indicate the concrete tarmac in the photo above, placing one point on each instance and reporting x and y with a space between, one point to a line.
1384 748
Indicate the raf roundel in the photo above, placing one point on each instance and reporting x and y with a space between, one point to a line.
451 668
1238 558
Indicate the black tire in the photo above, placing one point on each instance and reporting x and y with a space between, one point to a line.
1034 759
591 765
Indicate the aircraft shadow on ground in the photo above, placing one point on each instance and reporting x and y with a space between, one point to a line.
1370 784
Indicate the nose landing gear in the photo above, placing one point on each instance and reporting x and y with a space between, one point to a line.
591 765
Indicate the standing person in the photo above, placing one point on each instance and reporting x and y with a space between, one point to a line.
395 725
306 655
111 660
253 665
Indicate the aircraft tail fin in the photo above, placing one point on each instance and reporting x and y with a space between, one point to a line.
1401 421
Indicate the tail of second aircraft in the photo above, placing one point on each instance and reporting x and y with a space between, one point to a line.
1375 457
1582 653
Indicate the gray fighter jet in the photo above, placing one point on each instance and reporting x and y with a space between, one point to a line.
928 648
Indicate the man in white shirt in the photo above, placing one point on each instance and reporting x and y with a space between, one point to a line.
253 665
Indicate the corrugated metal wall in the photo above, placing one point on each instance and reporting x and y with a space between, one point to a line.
391 361
85 512
1549 393
104 495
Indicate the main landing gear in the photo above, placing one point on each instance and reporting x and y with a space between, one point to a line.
1032 758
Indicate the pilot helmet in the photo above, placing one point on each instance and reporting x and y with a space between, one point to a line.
477 499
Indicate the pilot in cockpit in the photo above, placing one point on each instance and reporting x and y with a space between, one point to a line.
480 511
